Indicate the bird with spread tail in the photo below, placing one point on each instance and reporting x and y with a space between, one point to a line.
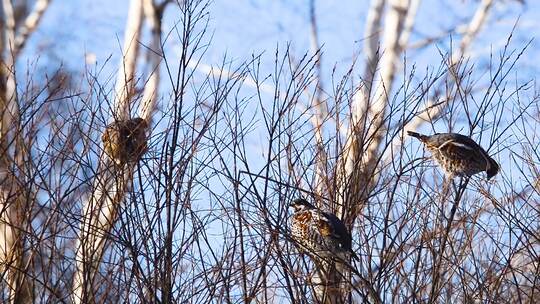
321 234
458 155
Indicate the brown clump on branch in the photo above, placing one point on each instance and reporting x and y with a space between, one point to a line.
125 141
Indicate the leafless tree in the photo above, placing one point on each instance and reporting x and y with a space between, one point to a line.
202 216
15 27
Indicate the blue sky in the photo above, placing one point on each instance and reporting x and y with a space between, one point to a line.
72 29
240 28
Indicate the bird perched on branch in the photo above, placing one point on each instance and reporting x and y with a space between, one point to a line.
320 234
125 140
458 155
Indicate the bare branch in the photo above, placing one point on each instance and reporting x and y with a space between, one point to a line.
371 54
432 109
352 158
11 193
111 182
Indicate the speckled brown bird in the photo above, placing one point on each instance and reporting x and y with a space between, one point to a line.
125 141
458 155
320 234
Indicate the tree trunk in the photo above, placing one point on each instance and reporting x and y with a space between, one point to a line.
13 196
111 182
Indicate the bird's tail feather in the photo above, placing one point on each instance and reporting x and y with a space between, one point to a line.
493 168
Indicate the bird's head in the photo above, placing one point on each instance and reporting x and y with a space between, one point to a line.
139 123
301 204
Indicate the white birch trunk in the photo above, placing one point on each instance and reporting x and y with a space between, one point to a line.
111 184
433 109
360 103
30 24
155 55
12 149
363 139
99 215
359 154
319 108
125 82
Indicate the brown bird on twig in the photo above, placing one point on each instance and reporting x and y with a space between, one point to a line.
321 234
458 155
125 140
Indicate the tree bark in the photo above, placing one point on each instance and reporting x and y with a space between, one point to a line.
111 183
13 196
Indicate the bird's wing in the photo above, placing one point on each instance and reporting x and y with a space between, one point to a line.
464 148
330 225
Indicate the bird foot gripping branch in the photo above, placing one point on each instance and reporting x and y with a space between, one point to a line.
125 141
